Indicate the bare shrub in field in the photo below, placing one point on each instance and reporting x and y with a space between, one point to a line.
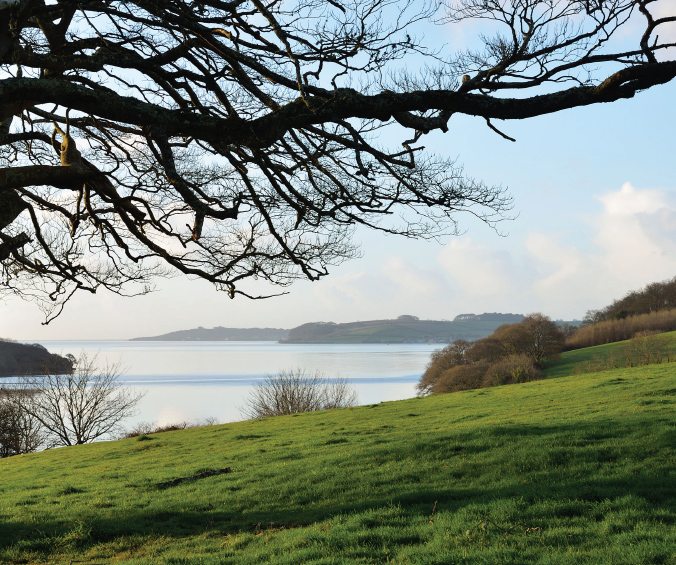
610 331
76 408
295 391
649 348
518 368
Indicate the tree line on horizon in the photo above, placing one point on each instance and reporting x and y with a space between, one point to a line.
654 297
650 309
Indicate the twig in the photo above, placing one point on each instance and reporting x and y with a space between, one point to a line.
496 130
433 511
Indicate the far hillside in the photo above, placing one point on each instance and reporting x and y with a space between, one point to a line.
220 333
405 329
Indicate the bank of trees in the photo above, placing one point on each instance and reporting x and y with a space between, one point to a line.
610 331
654 297
514 353
651 309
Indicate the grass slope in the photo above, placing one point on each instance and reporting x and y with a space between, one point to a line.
571 359
573 470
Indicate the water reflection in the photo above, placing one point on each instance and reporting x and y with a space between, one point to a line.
196 380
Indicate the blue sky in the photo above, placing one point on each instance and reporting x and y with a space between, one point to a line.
595 194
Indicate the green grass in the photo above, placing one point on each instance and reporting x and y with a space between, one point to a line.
575 470
571 359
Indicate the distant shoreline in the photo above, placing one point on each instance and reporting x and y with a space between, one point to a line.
404 329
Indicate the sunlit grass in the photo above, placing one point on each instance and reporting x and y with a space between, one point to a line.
572 361
571 470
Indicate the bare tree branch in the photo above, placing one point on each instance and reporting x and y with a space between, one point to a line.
248 139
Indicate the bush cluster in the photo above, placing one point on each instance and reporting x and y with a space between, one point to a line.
296 391
514 353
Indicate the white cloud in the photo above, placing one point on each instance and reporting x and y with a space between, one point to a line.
479 271
396 286
635 245
413 280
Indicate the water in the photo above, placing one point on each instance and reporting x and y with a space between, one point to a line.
196 380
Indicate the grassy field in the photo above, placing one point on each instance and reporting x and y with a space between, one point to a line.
574 470
570 360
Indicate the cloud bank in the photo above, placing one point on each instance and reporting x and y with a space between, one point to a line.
633 244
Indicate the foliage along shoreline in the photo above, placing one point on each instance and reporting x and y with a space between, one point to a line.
30 359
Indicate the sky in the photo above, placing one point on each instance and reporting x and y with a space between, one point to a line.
595 217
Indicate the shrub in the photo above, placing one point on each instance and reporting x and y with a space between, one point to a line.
295 391
518 368
76 408
453 354
487 350
461 377
513 353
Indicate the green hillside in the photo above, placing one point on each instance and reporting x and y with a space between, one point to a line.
571 361
574 470
396 331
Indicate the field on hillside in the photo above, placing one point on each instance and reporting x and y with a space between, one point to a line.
572 470
572 361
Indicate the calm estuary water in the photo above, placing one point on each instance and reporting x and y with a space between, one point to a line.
195 380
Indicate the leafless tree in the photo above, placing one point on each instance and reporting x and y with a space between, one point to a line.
20 431
79 407
229 140
295 391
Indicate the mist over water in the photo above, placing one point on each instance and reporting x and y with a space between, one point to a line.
196 380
